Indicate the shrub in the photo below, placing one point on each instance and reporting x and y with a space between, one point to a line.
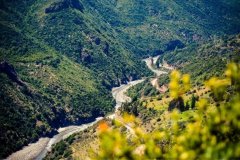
212 133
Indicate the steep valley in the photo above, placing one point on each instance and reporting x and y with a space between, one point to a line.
64 63
39 149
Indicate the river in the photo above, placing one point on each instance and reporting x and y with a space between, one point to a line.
153 60
39 149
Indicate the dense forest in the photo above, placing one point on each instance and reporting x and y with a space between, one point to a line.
66 62
59 60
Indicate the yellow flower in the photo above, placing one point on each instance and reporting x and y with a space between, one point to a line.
186 79
173 85
184 155
175 75
202 104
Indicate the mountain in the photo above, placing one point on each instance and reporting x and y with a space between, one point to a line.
201 61
151 121
58 64
150 27
59 59
205 60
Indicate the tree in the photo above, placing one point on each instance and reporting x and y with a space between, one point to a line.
187 107
193 101
177 104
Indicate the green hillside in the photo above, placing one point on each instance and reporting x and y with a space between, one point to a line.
66 59
59 59
203 61
205 126
150 27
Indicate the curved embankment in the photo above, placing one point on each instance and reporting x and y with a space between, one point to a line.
39 149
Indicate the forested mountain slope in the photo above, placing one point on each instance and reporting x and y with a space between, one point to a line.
60 58
58 64
201 61
151 27
206 60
